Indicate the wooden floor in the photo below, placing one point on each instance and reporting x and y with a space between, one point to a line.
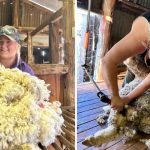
88 108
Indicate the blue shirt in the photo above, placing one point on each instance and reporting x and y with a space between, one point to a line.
23 66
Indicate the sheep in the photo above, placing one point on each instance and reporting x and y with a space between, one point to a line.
136 115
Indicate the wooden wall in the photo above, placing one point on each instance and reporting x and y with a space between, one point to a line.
30 19
26 14
54 75
56 86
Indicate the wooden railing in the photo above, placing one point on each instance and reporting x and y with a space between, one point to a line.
67 139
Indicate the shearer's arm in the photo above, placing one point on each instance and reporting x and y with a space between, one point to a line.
139 90
133 43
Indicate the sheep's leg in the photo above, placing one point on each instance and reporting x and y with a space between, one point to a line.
129 135
103 136
146 142
102 118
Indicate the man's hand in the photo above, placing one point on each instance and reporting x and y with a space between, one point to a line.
117 103
126 99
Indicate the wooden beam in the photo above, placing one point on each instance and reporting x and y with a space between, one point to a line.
69 119
69 126
69 108
47 22
15 16
55 20
72 115
2 1
56 146
51 42
30 29
69 134
126 8
21 28
45 69
66 142
68 24
108 7
30 51
133 5
37 6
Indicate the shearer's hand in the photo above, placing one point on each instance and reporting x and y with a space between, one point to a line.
126 99
117 103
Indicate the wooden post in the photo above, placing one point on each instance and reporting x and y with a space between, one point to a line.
53 18
108 7
50 43
15 16
68 24
30 51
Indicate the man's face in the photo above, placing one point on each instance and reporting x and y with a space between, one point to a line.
8 48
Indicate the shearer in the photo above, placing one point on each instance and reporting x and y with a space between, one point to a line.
135 43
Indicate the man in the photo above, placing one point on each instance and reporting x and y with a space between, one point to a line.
134 43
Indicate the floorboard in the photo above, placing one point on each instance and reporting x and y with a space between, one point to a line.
88 113
88 108
88 118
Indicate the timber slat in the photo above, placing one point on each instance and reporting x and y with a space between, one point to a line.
90 90
87 113
82 96
69 119
102 147
68 138
138 146
45 69
52 17
91 107
69 126
69 108
134 6
88 118
56 146
81 136
122 146
88 98
89 125
70 114
105 146
66 142
69 134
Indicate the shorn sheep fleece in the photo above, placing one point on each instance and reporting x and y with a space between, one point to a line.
26 116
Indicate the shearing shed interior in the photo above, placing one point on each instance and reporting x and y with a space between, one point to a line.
46 30
109 22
